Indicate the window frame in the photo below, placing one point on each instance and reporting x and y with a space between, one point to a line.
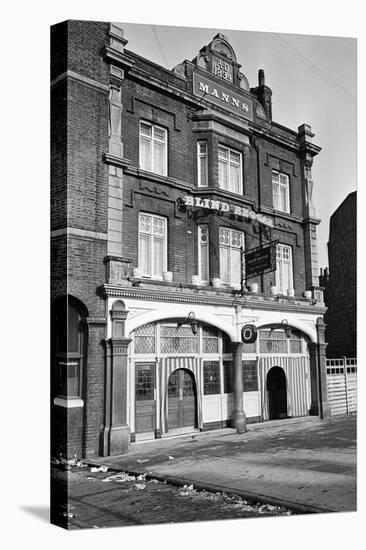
230 247
151 275
281 288
200 254
210 369
281 208
202 156
230 151
152 141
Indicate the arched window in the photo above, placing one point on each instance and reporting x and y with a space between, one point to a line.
69 343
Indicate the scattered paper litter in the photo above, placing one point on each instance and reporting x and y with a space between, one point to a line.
171 457
186 490
120 477
140 486
142 460
95 469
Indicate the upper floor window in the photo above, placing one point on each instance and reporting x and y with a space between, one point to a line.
280 191
203 253
153 148
202 164
230 172
152 245
231 243
284 272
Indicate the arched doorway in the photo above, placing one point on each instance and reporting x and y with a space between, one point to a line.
182 400
277 393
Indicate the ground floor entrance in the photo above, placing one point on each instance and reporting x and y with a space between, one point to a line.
180 381
182 400
277 393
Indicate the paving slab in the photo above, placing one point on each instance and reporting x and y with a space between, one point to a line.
308 463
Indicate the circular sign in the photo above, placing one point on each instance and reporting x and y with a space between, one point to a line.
249 334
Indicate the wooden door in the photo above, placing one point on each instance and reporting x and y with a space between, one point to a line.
277 393
144 397
182 400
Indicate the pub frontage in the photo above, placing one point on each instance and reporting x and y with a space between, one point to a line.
185 294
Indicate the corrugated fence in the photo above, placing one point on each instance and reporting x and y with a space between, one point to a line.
342 385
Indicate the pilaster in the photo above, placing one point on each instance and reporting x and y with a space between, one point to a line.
318 373
115 436
238 418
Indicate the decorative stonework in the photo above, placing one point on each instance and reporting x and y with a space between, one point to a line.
221 46
180 70
117 269
243 81
260 111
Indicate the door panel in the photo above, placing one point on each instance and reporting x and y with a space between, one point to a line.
173 400
145 397
182 400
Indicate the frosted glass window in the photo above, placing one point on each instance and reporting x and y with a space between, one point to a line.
231 243
152 245
153 148
280 192
230 170
284 271
202 168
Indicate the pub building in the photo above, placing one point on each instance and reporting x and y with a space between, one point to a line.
185 292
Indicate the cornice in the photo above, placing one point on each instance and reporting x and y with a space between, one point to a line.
151 81
116 161
118 58
310 148
260 131
80 78
314 221
78 233
156 178
282 304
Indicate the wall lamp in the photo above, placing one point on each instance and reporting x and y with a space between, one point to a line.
191 320
286 328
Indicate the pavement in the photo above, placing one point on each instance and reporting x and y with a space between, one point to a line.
305 464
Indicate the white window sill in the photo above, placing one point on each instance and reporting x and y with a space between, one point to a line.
70 403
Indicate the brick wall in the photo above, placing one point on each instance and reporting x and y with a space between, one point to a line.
340 294
79 128
141 194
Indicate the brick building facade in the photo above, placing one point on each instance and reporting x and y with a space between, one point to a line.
159 179
340 282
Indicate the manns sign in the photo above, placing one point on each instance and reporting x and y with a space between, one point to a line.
222 97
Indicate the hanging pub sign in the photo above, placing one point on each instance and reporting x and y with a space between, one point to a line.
258 261
249 334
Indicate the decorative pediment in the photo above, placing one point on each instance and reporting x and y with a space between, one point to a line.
219 58
221 46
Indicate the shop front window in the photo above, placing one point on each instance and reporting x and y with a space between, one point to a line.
211 377
68 340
